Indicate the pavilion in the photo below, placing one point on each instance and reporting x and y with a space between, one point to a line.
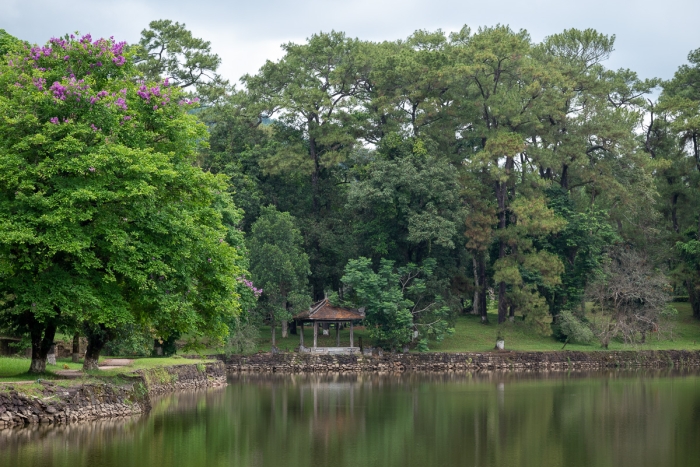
324 312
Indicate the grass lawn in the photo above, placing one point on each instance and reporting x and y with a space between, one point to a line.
15 369
146 363
472 336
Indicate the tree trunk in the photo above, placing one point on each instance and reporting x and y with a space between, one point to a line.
501 198
42 339
51 356
502 303
273 332
92 356
313 152
76 348
565 177
285 328
693 298
96 342
481 267
475 303
674 215
97 337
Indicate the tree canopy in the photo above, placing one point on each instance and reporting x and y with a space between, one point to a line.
104 217
465 172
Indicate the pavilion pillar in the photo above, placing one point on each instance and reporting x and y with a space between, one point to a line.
315 334
301 333
352 343
337 334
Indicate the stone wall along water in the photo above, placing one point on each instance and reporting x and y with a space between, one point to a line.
57 404
292 362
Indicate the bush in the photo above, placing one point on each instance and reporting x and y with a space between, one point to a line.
130 341
573 329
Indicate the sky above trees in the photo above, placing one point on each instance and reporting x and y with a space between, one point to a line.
652 37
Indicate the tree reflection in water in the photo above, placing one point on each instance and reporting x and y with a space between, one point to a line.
645 418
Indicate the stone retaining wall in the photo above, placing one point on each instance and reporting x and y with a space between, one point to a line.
292 362
165 380
58 404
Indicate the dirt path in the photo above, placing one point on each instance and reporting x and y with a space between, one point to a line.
112 363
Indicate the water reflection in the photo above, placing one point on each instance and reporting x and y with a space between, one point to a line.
618 418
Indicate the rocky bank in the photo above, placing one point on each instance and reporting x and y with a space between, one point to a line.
53 403
292 362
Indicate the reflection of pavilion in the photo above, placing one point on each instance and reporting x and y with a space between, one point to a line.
324 312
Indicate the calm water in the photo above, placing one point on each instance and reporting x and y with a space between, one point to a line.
601 419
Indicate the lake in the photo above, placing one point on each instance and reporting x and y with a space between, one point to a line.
614 418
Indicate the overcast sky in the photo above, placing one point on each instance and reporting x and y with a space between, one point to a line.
653 37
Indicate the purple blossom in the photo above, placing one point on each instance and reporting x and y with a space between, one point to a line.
94 128
39 83
54 120
127 118
59 91
121 103
91 169
256 291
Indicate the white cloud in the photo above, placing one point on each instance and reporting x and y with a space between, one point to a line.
652 40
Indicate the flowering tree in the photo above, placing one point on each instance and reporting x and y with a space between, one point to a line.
104 219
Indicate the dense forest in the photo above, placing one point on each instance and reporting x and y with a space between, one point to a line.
429 177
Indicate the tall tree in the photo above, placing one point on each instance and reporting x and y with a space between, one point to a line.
280 266
169 51
313 90
104 219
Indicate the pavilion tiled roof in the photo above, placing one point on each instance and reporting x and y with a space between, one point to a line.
325 311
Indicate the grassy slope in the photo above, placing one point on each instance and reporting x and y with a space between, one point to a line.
471 336
15 369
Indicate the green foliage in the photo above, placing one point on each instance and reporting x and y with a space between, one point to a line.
8 43
104 219
243 335
130 341
579 246
573 329
168 51
395 302
279 265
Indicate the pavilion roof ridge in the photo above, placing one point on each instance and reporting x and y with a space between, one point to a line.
324 310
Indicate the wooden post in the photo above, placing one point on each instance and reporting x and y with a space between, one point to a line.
337 334
301 334
315 334
352 343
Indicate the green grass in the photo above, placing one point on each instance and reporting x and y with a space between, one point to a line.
147 363
15 369
472 336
